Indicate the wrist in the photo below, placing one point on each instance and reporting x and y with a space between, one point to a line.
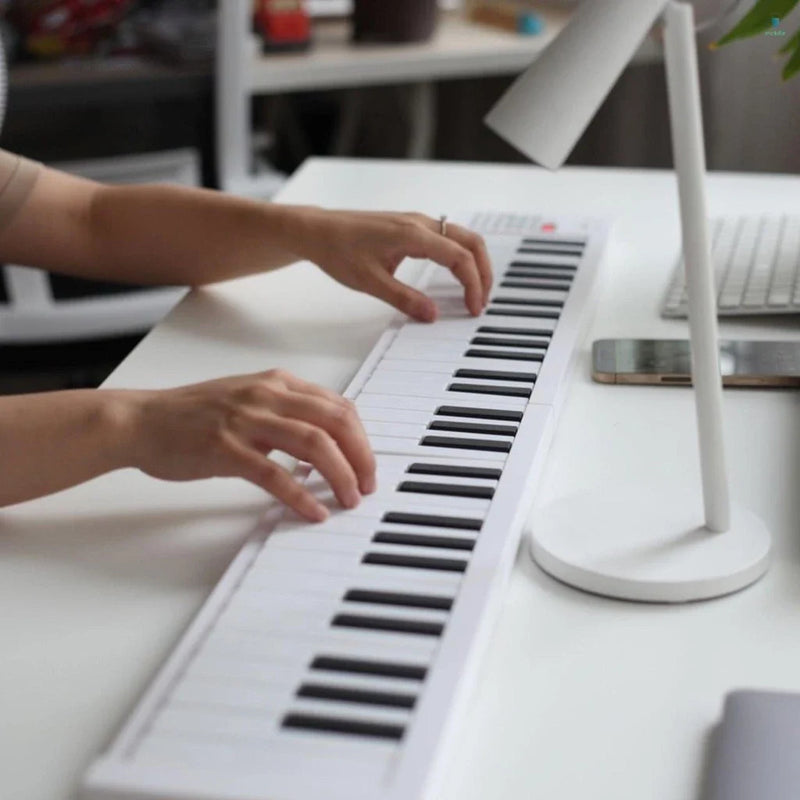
118 420
302 227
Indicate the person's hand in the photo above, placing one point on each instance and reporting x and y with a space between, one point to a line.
224 428
363 250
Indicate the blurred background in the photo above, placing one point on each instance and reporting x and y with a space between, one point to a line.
237 94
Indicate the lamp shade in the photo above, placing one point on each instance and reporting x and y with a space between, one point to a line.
549 106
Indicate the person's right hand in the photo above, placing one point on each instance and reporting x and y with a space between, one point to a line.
226 427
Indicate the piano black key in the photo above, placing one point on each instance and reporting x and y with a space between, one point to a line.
542 265
519 312
472 427
540 272
504 354
370 623
518 284
496 375
479 413
345 694
360 666
575 243
478 388
432 520
504 342
516 331
423 540
513 301
313 722
550 251
530 274
402 598
447 489
454 470
415 562
454 443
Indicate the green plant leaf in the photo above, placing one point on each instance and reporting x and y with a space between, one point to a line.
792 66
758 19
792 44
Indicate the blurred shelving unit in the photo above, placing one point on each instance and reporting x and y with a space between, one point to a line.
459 49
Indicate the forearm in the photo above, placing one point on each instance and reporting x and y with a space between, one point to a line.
49 442
155 234
168 234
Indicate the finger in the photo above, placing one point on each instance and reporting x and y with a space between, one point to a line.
458 259
403 297
253 466
308 443
337 416
477 246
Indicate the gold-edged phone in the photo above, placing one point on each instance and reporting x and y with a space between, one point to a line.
667 362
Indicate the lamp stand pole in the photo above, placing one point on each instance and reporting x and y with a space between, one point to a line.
644 545
683 86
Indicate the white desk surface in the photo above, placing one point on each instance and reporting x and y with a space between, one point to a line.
578 696
459 49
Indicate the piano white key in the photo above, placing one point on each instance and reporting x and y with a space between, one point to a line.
267 619
284 751
389 495
387 444
271 574
254 651
409 594
389 366
437 385
266 696
414 432
390 481
429 404
233 670
399 465
285 602
263 726
452 351
316 667
392 646
400 415
463 330
326 543
372 505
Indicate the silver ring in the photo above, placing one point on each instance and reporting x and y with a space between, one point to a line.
443 225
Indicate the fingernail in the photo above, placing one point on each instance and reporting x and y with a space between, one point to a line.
369 485
352 498
318 512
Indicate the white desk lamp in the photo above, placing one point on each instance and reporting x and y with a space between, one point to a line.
635 545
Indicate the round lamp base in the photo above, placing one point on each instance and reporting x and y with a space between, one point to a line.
637 547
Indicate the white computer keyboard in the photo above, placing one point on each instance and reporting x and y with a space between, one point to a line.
333 660
756 263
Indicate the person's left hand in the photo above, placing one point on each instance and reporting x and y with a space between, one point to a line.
363 249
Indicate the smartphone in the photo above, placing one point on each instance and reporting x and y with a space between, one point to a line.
667 361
